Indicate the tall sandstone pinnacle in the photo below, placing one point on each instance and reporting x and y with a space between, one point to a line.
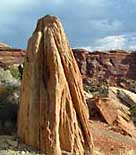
53 114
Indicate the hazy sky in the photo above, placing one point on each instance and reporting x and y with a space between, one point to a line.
94 24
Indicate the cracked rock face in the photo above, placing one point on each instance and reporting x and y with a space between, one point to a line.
53 114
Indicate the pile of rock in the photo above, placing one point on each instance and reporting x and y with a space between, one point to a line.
115 110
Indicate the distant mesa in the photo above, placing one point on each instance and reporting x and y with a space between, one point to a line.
10 56
3 46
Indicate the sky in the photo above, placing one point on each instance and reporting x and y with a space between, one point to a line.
91 24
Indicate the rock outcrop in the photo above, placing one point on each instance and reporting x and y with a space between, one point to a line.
114 66
53 114
115 110
118 66
10 56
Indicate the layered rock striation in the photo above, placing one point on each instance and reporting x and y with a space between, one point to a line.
10 56
111 65
53 113
114 66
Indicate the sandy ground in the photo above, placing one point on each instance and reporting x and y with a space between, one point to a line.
109 142
106 141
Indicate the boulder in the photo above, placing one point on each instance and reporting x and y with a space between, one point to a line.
115 111
53 113
127 97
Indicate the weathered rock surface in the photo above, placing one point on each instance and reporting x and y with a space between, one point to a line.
115 110
127 97
53 113
10 56
114 66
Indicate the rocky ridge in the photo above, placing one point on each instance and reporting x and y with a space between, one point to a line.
10 56
117 67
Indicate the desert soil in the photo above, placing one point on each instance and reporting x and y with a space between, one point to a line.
109 142
106 141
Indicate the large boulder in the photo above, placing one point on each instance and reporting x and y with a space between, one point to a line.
115 110
53 113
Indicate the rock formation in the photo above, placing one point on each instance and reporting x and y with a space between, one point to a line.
114 66
115 110
53 114
10 56
10 59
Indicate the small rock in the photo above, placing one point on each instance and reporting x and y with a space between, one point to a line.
23 152
12 143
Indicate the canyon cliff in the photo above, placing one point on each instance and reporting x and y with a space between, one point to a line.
113 66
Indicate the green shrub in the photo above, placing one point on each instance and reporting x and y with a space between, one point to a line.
97 87
9 94
9 87
7 78
122 80
15 72
133 113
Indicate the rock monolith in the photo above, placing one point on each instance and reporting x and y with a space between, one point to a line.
53 113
